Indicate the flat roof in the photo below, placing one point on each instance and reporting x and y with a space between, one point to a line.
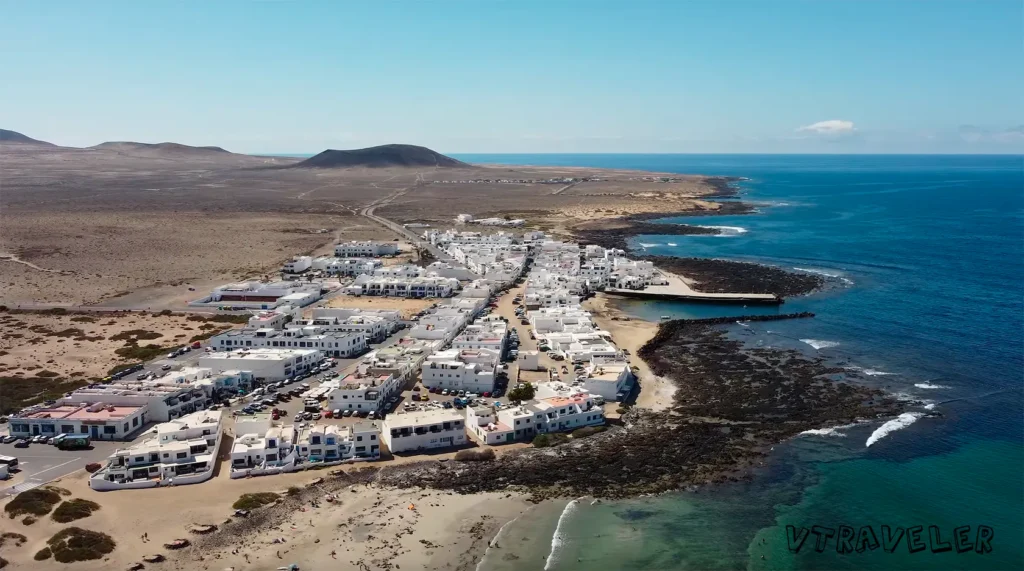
420 418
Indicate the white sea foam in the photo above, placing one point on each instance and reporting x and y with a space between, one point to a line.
823 432
930 386
642 245
727 230
871 372
929 406
902 421
830 274
741 324
819 344
493 542
558 539
673 244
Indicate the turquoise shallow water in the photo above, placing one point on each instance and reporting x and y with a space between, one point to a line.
927 259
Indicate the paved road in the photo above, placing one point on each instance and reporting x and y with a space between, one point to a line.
42 463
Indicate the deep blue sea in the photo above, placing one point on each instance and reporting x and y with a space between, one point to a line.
925 255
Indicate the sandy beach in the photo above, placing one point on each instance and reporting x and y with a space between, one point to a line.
655 391
365 527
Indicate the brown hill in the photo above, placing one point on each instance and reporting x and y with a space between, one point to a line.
380 157
16 137
156 148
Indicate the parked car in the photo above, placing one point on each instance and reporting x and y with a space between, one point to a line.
372 415
347 413
21 444
307 415
316 416
444 392
336 413
298 417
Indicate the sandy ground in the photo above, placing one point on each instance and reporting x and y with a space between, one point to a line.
408 307
366 528
34 342
94 257
655 392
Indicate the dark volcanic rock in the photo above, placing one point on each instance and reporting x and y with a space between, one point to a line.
731 403
7 136
724 276
382 156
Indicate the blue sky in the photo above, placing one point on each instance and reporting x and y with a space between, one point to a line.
546 76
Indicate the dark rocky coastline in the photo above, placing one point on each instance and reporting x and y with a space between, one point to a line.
725 276
731 404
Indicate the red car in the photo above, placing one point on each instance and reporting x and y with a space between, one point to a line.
487 394
329 414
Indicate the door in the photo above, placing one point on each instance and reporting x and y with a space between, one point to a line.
95 431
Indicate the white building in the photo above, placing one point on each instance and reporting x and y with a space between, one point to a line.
347 266
262 295
464 218
375 324
610 378
265 449
401 271
361 392
423 430
470 370
483 334
340 344
493 425
269 364
419 287
437 327
297 265
371 249
183 451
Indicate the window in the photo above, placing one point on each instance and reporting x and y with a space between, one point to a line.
109 430
125 427
135 421
181 455
359 438
373 437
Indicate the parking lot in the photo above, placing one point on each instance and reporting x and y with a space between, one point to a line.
42 463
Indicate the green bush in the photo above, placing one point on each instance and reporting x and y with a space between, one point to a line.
29 520
253 501
76 544
71 510
43 554
294 491
38 501
523 393
135 335
144 353
587 431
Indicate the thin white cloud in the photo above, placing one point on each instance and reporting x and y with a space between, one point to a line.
974 134
830 127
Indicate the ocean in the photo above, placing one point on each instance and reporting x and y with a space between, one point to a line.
925 259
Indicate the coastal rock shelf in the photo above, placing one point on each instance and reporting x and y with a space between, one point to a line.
731 403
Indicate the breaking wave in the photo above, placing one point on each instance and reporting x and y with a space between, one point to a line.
823 432
642 245
871 372
930 386
726 230
558 539
673 244
839 277
819 344
902 421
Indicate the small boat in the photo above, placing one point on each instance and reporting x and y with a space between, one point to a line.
665 317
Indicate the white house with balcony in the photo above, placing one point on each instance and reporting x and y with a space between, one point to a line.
471 370
372 249
181 451
423 430
359 392
339 344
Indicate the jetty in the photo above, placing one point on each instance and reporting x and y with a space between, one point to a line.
678 290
